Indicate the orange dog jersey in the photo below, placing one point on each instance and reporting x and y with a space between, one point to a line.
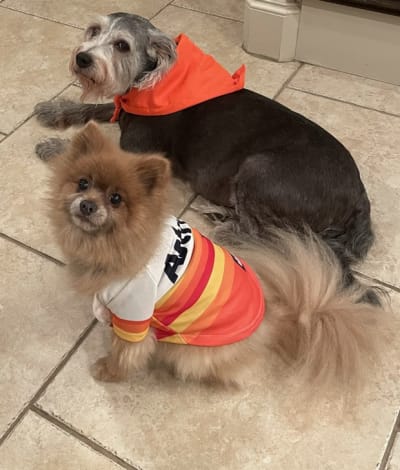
191 292
194 78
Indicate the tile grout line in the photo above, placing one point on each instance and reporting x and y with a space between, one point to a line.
206 13
188 204
49 380
24 121
350 73
51 20
82 438
287 81
161 10
382 283
390 443
31 249
80 28
338 100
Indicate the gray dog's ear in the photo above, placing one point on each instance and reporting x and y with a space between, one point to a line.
162 50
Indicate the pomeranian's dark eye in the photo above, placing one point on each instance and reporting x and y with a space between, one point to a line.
115 199
83 184
122 46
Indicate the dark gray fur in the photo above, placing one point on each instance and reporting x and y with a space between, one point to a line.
264 164
50 148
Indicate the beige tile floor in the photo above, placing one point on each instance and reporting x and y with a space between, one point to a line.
52 414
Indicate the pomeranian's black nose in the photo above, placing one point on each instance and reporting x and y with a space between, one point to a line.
87 207
83 60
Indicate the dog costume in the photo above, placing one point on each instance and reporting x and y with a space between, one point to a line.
192 291
194 78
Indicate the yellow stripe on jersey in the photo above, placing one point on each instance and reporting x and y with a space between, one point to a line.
176 339
132 337
183 321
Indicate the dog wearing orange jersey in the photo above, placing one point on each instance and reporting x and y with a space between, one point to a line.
172 296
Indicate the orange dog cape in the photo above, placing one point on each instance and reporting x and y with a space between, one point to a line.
194 78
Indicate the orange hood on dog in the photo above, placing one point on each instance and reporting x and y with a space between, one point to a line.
194 78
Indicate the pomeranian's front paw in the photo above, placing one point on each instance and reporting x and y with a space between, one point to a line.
100 370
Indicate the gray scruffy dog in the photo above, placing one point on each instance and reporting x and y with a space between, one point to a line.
257 162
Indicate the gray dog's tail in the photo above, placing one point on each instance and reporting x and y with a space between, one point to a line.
352 244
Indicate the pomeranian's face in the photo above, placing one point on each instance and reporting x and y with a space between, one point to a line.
94 198
104 199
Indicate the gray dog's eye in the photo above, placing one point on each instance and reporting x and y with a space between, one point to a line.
122 46
93 31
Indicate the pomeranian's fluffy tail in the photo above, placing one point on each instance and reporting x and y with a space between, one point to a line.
313 320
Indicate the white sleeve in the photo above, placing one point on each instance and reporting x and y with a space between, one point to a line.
132 300
100 311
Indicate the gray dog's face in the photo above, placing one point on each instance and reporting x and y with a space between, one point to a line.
120 51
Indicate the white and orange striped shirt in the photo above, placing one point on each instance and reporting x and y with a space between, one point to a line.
191 292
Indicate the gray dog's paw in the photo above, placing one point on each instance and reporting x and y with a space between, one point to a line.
54 113
50 148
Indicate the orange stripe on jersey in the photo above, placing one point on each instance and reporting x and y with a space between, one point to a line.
214 309
207 297
239 316
130 326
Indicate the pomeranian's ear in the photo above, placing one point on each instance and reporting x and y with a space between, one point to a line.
154 172
89 139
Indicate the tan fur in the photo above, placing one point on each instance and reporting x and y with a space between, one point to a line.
130 237
124 358
227 365
311 321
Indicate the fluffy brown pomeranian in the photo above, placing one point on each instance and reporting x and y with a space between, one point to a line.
173 296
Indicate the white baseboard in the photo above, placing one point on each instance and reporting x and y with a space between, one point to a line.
270 28
350 39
